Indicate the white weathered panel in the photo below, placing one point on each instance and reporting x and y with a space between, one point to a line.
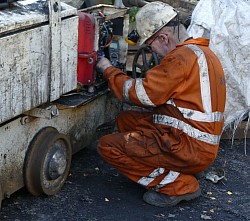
24 68
55 31
63 75
13 21
25 14
78 123
64 39
29 13
69 43
20 17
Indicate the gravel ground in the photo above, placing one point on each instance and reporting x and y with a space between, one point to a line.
96 191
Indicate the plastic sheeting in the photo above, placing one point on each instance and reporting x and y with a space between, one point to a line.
227 24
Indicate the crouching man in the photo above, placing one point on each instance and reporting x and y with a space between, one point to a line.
163 148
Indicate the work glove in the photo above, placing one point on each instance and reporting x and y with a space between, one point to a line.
103 64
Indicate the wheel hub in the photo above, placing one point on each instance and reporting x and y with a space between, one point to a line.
57 164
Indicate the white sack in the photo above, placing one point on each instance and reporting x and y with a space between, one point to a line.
227 24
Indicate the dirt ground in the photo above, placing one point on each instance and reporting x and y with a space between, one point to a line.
96 191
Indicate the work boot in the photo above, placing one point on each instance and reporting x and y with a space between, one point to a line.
162 200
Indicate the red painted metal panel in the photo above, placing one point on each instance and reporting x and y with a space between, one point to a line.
86 53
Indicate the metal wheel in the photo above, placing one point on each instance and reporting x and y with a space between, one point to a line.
144 59
47 162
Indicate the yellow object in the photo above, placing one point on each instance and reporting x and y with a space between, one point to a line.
130 42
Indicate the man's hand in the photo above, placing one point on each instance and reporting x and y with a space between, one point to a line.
103 64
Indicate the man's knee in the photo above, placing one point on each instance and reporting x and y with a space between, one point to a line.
110 145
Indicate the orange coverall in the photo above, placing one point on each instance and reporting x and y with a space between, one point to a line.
179 136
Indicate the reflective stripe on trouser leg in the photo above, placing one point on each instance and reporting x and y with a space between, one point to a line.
113 148
183 184
173 183
169 178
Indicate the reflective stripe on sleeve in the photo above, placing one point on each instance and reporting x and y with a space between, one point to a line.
126 87
204 78
141 93
186 128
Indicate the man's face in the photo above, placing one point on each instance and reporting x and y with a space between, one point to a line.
159 44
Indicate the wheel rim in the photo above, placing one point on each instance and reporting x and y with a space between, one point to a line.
55 165
47 162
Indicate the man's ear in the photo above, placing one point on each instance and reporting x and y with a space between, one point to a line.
163 37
